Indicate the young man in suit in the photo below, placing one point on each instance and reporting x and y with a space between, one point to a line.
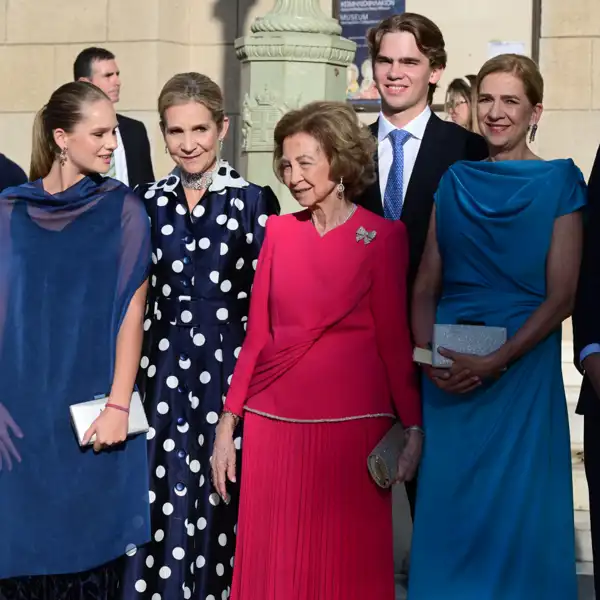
132 162
586 342
415 146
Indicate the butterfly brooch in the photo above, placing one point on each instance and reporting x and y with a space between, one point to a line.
362 235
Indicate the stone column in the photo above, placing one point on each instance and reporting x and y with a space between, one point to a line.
293 56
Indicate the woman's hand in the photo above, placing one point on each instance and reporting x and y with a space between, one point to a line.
223 456
110 427
410 457
468 371
457 382
7 446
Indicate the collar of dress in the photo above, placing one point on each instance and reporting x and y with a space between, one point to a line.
225 177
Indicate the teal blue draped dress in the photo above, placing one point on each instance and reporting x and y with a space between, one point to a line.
494 517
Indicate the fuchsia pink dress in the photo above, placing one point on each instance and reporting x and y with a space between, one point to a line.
325 368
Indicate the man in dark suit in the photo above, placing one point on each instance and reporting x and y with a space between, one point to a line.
11 173
586 338
415 147
132 162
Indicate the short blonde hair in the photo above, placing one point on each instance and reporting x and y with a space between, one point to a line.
520 66
349 146
192 87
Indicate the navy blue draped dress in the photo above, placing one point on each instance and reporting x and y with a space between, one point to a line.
69 265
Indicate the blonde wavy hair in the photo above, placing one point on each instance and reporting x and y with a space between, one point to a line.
520 66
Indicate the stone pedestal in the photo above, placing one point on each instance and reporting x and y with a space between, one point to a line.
293 56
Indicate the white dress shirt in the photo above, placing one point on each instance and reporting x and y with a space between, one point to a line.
121 161
416 128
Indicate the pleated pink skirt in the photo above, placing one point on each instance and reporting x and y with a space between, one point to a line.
312 523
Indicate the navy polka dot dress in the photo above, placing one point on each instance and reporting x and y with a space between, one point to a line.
203 268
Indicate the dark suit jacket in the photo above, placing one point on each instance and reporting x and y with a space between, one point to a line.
11 173
443 144
586 315
137 151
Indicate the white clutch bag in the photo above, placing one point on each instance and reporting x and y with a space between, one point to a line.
467 339
85 413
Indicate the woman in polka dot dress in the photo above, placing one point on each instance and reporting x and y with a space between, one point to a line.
207 230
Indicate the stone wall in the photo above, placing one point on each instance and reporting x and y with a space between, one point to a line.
570 62
152 40
469 27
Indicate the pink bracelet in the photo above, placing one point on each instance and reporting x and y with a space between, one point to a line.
117 407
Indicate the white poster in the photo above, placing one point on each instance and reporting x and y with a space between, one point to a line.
500 47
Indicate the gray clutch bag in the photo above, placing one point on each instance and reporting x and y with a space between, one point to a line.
468 339
383 460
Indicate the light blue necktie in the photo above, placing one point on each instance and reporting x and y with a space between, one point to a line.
394 189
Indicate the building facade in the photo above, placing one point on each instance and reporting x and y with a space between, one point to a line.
153 39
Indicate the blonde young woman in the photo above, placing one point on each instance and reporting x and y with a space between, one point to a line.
74 256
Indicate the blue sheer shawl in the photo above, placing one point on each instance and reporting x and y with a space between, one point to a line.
69 265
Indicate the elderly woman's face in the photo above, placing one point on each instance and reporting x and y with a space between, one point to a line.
504 112
305 170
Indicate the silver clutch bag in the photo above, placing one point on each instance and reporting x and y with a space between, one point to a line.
85 413
383 460
467 339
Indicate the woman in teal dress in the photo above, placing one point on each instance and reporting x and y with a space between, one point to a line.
494 517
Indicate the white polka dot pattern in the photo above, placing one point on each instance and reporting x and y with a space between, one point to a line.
202 275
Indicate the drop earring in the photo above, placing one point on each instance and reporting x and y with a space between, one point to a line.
533 132
340 188
62 157
166 149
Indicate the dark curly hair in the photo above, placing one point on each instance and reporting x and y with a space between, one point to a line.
349 146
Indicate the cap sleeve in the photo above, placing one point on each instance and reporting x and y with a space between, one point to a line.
574 194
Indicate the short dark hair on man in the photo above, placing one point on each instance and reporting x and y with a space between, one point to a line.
82 67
